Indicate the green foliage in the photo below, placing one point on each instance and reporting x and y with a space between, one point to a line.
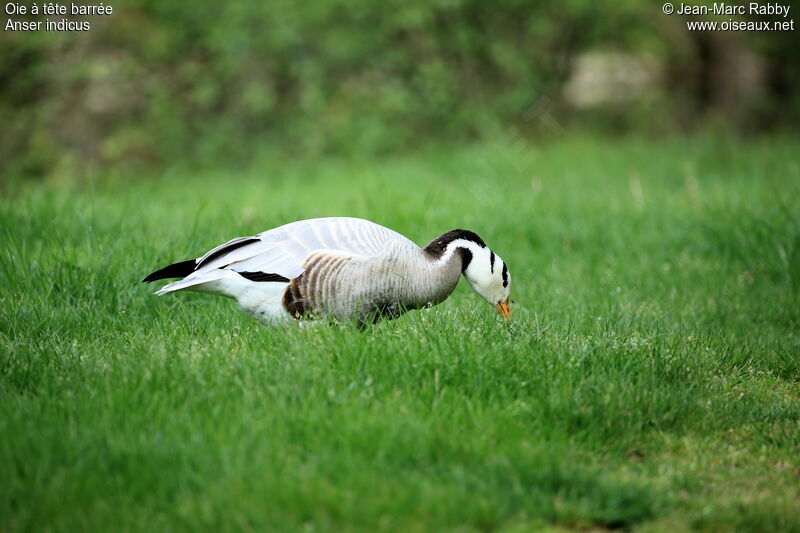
649 379
208 81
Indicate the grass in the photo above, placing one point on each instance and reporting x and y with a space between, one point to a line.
650 379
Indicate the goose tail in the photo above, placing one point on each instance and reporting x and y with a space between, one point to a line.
186 270
213 282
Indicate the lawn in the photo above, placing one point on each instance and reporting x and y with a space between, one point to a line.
649 379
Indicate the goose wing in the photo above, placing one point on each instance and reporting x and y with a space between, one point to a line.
283 250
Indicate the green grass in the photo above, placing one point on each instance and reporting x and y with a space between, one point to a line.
650 379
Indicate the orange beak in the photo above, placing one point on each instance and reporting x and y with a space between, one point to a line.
504 309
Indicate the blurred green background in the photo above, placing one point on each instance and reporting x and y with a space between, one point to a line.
207 82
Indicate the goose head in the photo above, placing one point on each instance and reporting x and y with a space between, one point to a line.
488 275
483 269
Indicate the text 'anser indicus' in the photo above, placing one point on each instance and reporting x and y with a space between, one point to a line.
346 268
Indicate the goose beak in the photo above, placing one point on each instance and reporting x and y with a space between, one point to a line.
504 309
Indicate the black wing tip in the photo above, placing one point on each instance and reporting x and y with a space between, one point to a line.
175 270
263 276
227 248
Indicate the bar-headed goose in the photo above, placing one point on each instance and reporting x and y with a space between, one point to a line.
342 267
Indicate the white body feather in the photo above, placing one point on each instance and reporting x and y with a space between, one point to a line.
367 247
